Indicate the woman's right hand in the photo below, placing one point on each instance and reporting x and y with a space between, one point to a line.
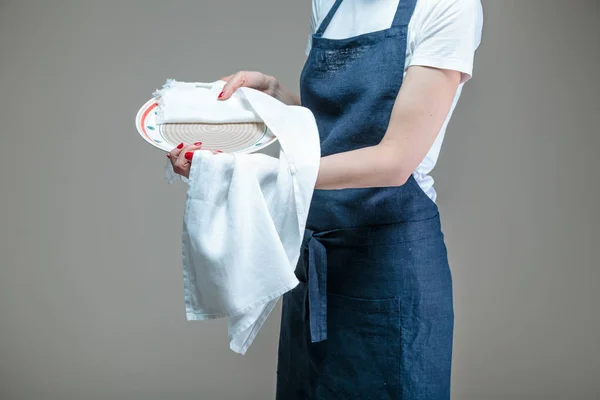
252 79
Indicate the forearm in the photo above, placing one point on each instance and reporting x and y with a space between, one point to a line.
284 95
374 166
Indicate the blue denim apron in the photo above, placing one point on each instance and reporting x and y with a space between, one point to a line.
372 317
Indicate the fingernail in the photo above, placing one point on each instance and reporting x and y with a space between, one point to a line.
220 95
180 146
198 143
219 151
189 155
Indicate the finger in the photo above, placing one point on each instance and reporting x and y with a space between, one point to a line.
173 154
181 162
226 78
238 80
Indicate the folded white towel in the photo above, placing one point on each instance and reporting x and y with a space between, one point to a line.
245 216
180 102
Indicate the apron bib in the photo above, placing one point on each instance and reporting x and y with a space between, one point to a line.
372 317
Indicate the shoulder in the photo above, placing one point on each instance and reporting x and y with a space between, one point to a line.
446 34
437 5
434 10
461 17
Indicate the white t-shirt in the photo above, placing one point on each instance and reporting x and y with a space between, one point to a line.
441 34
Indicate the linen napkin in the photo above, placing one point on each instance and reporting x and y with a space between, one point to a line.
245 214
181 102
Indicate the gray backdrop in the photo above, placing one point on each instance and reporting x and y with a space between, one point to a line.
91 301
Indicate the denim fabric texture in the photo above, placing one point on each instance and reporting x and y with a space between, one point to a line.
372 317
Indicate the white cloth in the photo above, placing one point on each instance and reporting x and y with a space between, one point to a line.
441 34
244 219
196 102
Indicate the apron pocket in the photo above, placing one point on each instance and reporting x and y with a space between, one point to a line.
361 357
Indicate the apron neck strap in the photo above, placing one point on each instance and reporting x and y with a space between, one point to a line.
402 17
328 18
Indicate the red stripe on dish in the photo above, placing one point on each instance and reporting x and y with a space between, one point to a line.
144 116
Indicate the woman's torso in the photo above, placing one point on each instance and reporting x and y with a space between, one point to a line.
351 86
358 17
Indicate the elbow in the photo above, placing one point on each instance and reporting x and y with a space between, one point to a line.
398 176
397 173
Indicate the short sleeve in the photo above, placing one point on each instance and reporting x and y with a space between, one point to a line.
449 35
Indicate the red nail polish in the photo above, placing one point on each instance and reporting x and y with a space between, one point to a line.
198 143
180 146
189 155
221 95
219 151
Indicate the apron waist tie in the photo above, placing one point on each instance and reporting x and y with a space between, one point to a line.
316 272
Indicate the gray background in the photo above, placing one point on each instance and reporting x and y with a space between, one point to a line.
91 301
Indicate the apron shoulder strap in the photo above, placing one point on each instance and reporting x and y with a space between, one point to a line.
404 13
328 18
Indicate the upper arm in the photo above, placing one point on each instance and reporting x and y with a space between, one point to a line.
441 60
419 112
448 35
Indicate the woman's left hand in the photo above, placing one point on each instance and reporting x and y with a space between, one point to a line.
181 157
